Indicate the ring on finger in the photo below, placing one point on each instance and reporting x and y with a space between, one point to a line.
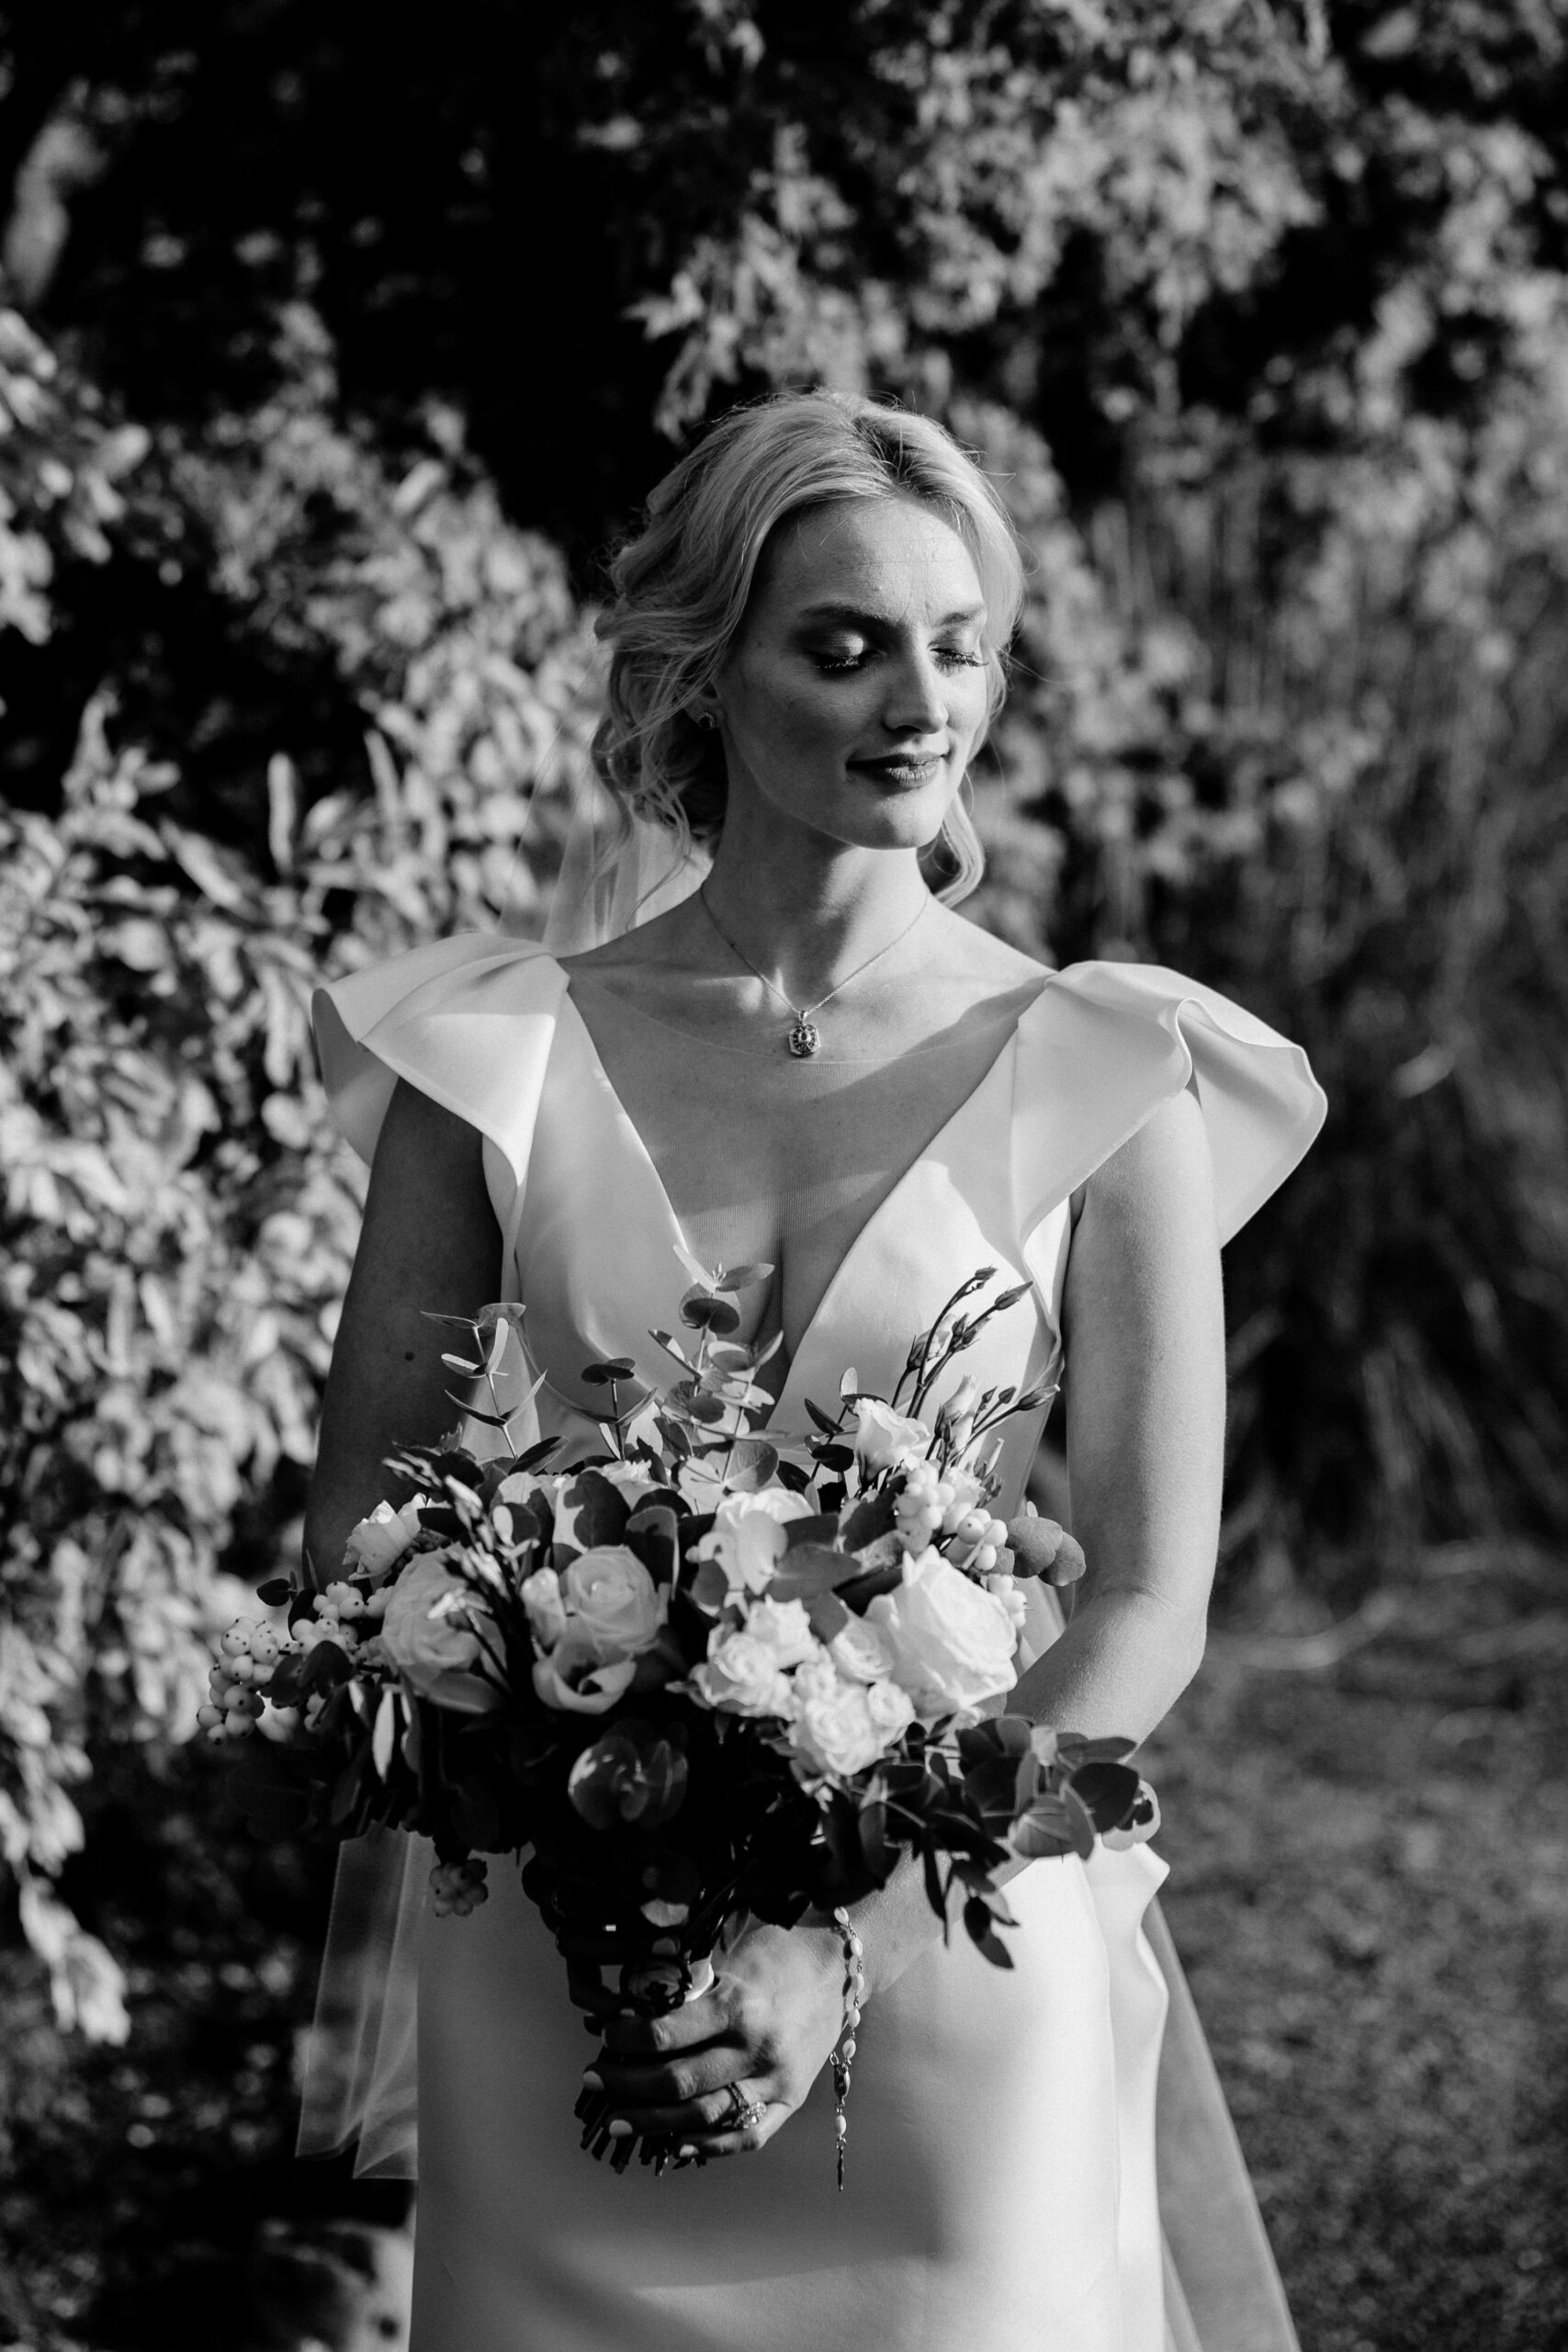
740 2113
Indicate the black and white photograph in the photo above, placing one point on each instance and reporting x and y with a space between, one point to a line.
783 1176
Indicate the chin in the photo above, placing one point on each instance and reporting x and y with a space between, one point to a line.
911 822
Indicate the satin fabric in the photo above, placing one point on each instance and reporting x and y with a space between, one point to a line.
1003 2176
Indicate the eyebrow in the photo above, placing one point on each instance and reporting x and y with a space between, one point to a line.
854 616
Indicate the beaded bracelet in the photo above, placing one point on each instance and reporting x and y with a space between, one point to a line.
843 2054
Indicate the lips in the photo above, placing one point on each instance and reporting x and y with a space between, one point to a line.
902 768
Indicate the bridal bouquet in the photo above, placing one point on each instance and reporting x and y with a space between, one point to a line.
706 1673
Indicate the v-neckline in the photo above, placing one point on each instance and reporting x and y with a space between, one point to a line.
679 1243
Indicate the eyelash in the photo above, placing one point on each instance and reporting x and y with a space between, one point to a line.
833 665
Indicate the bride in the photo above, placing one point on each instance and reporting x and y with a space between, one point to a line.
813 1061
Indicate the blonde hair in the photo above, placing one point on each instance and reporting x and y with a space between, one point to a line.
683 584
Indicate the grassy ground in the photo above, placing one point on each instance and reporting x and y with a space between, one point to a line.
1370 1887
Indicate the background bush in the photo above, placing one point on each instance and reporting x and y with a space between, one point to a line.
329 371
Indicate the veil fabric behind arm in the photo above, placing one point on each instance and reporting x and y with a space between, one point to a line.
359 2078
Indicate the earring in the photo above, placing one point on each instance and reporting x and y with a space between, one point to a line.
707 719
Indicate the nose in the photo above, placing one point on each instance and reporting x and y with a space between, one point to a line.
916 699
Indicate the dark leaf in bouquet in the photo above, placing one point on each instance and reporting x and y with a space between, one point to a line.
861 1590
992 1789
845 1877
808 1568
288 1685
997 1735
651 1533
349 1791
833 1496
532 1458
708 1588
983 1934
821 1529
791 1475
696 1404
750 1465
827 1423
872 1516
475 1813
1041 1548
532 1748
659 1665
705 1310
833 1457
602 1376
1045 1829
488 1420
882 1854
976 1877
302 1605
442 1521
1107 1792
827 1615
601 1511
936 1893
324 1667
1081 1822
1098 1751
452 1465
277 1592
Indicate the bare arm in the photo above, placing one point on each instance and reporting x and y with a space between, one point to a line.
430 1245
1146 1434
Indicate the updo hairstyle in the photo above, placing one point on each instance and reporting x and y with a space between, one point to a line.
683 584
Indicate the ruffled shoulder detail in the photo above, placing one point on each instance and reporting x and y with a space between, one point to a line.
1105 1045
470 1021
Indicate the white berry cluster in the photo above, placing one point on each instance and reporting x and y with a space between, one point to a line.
457 1888
250 1650
246 1656
932 1508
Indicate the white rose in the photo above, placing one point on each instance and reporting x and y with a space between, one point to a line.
882 1435
785 1628
540 1596
439 1653
576 1678
741 1675
861 1652
379 1542
891 1710
953 1641
834 1731
612 1602
747 1537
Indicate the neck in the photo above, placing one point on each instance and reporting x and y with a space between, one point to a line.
802 912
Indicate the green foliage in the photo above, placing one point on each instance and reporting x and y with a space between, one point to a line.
353 359
179 1220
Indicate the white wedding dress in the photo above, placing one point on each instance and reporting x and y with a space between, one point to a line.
1003 2188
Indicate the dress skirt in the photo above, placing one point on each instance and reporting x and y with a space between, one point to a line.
1001 2182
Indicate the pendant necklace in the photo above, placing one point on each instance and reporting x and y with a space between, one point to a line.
805 1038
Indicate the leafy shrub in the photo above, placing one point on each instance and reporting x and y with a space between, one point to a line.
179 1220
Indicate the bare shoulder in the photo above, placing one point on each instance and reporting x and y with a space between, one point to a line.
975 965
1161 1177
665 944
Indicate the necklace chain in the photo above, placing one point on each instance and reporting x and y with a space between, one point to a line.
805 1038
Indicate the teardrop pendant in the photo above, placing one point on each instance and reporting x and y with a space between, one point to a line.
804 1038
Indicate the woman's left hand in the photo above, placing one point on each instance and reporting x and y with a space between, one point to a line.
759 2037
